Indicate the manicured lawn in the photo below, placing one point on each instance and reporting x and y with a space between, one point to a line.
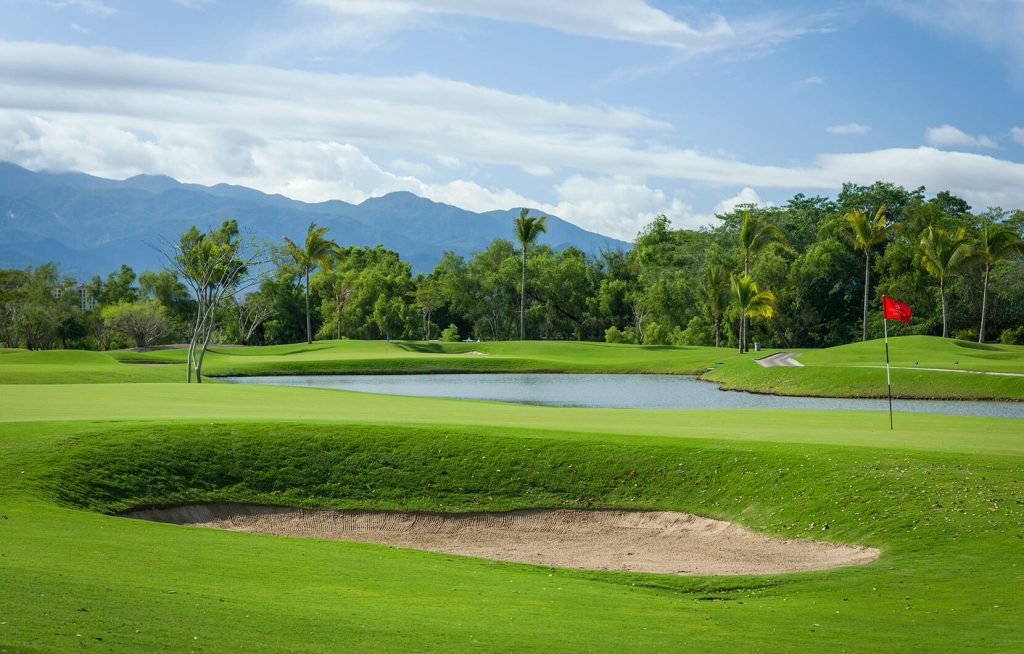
942 496
857 370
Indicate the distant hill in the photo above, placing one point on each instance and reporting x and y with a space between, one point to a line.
92 225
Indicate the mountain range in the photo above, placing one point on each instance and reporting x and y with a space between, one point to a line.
91 225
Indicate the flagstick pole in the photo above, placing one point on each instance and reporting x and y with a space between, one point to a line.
888 378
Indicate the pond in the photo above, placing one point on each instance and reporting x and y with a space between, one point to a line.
613 391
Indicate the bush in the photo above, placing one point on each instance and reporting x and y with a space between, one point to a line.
613 335
656 334
450 334
1012 336
969 334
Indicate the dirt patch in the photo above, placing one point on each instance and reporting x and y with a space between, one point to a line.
648 541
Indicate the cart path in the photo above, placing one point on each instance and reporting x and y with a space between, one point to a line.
969 372
779 359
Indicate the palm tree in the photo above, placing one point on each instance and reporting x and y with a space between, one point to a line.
716 294
751 302
995 242
527 228
317 252
944 254
755 235
864 234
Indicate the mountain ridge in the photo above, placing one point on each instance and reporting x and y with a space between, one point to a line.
91 225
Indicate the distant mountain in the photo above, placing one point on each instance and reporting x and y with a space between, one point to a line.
91 225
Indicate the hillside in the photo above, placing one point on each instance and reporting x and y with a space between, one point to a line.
91 225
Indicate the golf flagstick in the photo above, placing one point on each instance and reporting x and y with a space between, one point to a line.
888 378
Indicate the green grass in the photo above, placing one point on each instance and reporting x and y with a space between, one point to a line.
857 370
845 371
942 496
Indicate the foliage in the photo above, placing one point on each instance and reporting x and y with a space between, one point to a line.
316 251
450 334
143 323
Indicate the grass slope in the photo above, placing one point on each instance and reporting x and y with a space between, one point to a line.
943 496
857 370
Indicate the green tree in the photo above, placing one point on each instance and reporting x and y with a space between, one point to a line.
142 322
945 253
716 296
316 251
751 302
526 229
864 233
994 242
429 298
756 234
214 265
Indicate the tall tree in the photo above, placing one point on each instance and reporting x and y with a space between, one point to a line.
865 233
527 229
215 266
995 242
944 253
716 294
317 251
756 234
751 302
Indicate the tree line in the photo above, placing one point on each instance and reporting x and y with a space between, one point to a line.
809 273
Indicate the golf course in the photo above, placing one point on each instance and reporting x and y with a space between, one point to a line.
88 436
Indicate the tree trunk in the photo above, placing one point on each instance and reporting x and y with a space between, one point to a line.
984 303
718 330
942 295
867 285
309 331
202 352
522 300
740 334
745 320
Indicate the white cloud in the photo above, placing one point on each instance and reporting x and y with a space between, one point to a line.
81 30
412 168
995 24
621 20
1017 134
619 206
88 6
848 129
949 136
307 135
813 80
368 23
746 195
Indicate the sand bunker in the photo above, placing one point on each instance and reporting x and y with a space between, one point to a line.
648 541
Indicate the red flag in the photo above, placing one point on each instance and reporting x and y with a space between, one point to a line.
895 310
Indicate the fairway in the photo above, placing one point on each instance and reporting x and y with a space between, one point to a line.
941 497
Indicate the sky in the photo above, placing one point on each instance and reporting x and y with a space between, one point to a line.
605 113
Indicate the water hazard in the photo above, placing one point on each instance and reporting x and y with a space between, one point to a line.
613 391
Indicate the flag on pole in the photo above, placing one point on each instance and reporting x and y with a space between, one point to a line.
895 310
892 310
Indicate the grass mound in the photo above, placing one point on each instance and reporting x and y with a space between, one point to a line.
852 496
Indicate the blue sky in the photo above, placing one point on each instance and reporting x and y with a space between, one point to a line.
604 112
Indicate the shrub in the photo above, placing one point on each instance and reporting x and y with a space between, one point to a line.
613 335
969 334
450 334
1012 336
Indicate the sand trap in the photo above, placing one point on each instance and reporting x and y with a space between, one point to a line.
648 541
476 353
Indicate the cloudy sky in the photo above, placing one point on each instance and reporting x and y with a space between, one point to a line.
604 112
